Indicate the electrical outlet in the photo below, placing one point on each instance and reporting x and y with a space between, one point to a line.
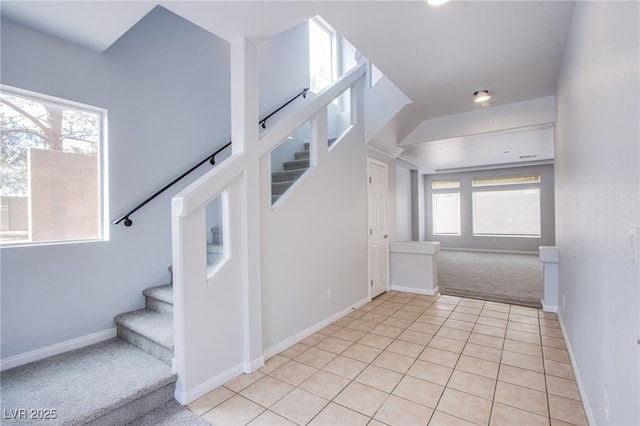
329 294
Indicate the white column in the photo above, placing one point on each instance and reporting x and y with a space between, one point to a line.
244 134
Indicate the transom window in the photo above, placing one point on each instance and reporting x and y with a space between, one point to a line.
51 179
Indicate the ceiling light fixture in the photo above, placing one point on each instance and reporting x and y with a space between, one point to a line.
436 3
481 96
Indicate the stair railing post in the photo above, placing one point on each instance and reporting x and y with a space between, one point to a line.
244 114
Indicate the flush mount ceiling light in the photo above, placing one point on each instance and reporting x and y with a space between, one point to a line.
481 96
436 3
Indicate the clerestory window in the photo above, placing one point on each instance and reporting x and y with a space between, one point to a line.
322 55
52 172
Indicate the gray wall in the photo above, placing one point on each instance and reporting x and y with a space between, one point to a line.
165 85
598 201
466 240
403 204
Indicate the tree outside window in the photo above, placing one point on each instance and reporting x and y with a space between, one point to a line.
50 170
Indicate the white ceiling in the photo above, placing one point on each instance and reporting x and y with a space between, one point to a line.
437 56
523 146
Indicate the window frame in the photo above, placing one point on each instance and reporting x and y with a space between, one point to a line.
335 49
506 186
102 163
453 188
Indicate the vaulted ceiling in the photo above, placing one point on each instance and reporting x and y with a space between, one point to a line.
437 56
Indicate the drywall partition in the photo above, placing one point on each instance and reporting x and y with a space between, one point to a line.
597 204
382 102
315 238
220 319
217 314
165 85
466 239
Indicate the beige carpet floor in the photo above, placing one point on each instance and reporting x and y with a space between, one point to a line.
500 277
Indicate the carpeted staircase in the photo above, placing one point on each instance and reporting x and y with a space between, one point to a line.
282 181
123 380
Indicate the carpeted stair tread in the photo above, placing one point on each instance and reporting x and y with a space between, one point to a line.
85 384
154 326
170 414
163 293
287 175
302 155
296 164
279 188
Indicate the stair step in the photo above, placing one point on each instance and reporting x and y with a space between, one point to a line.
296 164
279 188
108 383
287 175
301 155
150 331
159 299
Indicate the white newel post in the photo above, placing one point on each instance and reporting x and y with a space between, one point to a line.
245 137
549 258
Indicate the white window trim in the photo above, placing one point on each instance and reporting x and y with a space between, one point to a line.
103 176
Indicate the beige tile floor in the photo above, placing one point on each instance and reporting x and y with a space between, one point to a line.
407 359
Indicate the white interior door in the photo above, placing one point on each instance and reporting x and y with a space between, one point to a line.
378 232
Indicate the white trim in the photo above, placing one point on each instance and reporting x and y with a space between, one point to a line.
58 348
251 366
581 389
386 154
548 308
285 344
433 292
191 395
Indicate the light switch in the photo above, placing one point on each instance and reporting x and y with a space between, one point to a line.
634 240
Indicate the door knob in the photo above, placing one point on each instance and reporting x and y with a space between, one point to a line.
385 235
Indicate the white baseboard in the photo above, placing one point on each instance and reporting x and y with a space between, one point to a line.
285 344
548 308
58 348
251 366
415 290
583 393
185 397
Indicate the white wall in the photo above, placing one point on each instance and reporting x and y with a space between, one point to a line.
165 85
283 62
597 202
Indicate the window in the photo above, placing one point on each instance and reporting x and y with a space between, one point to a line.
322 54
51 174
511 212
446 207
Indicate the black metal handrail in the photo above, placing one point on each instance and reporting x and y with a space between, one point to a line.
211 159
263 122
